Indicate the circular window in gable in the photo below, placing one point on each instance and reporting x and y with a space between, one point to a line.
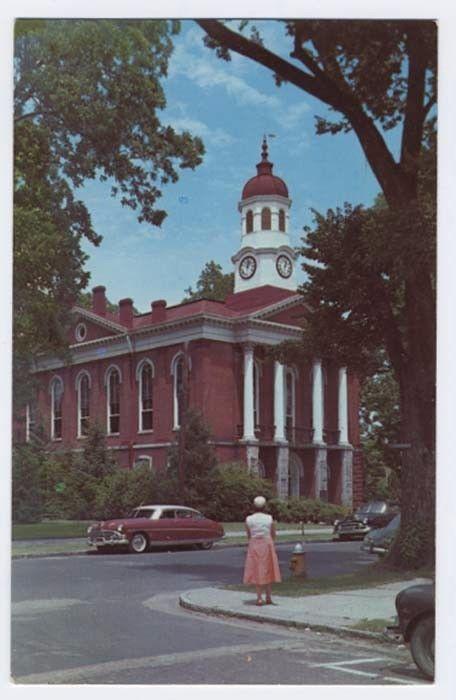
80 332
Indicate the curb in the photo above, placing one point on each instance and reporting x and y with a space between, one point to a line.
91 552
255 617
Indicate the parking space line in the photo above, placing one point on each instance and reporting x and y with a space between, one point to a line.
350 662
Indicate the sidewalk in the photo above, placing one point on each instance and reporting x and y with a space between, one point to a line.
78 545
336 612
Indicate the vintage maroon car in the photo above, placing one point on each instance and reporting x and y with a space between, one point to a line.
155 526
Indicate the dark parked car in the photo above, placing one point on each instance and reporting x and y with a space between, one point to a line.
379 540
415 607
157 526
368 516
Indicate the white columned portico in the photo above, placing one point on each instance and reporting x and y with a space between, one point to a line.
343 407
317 402
279 402
249 426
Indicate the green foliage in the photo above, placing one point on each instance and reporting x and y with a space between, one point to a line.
212 284
231 490
305 510
70 481
380 428
118 493
86 106
27 500
198 457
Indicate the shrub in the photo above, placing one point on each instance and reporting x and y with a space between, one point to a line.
232 491
27 497
119 493
305 510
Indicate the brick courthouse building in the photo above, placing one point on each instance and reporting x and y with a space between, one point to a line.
297 425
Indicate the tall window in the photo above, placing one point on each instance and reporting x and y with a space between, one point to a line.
113 385
83 388
178 391
249 221
266 219
281 220
290 399
56 408
146 397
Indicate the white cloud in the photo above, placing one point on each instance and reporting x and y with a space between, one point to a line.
197 63
217 136
291 116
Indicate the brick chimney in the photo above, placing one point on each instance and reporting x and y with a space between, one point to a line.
126 312
99 300
158 310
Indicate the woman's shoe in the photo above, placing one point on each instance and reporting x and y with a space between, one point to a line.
269 601
259 602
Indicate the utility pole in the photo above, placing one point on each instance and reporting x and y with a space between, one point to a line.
184 404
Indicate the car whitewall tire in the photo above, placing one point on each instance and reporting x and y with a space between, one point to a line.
138 543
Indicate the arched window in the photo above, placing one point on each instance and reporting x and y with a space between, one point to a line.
249 221
56 408
180 368
266 219
83 392
281 220
113 400
146 395
290 399
143 461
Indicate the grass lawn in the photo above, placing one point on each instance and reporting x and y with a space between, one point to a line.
78 528
368 577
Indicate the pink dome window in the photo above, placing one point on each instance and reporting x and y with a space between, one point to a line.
281 220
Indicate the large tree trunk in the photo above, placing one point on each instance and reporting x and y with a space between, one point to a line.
415 546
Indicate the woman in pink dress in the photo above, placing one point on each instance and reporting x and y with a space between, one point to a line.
261 564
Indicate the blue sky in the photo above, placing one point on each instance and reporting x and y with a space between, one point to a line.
230 105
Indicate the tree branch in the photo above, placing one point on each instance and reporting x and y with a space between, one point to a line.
235 42
392 181
412 134
29 115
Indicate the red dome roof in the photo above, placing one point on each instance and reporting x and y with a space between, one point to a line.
264 181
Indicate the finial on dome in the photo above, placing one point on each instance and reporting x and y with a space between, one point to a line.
264 149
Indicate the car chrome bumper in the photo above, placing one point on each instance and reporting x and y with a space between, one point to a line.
106 542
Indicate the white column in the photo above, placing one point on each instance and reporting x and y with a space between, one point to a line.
317 402
343 406
279 401
249 428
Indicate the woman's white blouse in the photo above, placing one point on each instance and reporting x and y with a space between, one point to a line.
259 524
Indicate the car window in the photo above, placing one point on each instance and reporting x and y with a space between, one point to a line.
142 513
185 513
376 507
168 514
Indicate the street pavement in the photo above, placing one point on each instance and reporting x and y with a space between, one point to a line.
118 619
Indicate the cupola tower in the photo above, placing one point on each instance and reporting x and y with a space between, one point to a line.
265 255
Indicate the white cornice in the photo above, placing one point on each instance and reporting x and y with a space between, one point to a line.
264 198
201 326
282 305
265 250
99 320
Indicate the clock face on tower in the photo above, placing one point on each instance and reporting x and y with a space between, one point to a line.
247 267
284 266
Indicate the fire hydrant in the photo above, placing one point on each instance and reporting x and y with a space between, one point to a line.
298 562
